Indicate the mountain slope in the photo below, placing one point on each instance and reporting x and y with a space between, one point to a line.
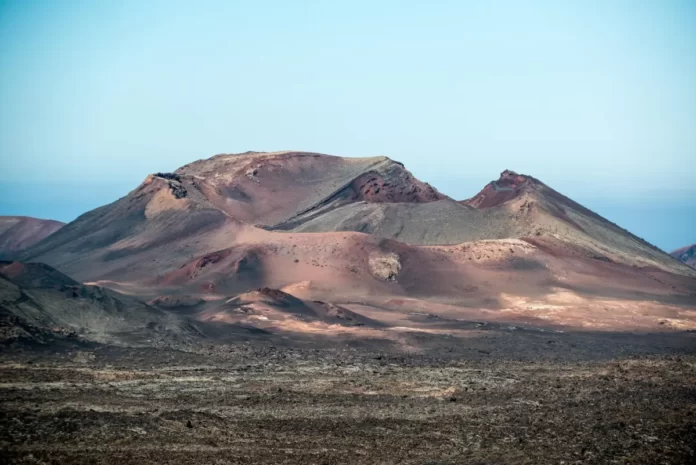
19 232
37 301
161 222
686 255
554 214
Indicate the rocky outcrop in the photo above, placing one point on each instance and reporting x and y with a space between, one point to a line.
385 266
506 188
170 176
402 187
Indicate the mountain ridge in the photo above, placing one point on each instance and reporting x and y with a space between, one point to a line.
228 200
365 237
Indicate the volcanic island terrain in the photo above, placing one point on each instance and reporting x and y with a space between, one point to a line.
301 308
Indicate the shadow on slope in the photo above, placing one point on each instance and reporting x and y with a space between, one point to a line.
37 300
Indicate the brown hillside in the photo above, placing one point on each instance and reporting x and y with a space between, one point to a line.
19 232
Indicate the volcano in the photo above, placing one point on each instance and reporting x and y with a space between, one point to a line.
39 304
367 236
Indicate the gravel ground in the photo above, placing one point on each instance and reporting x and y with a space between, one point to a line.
251 404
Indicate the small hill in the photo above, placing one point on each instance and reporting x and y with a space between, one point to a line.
266 304
19 232
38 303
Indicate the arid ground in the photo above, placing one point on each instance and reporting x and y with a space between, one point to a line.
499 396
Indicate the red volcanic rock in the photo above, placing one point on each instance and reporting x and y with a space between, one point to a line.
19 232
212 258
511 179
686 255
373 187
506 188
194 268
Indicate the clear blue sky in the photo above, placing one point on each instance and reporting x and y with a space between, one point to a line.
596 98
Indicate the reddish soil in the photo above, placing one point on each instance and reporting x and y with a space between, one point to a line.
372 187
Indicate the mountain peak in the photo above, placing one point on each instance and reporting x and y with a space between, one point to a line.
512 179
245 186
508 186
686 255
